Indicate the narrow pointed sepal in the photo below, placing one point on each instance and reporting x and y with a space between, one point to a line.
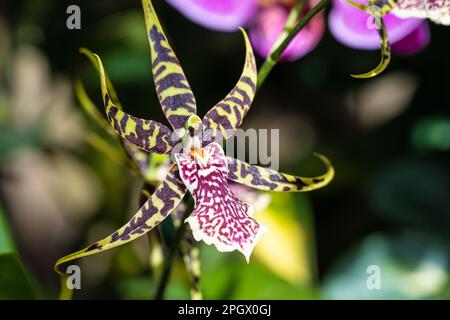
270 180
147 135
362 7
174 93
385 52
377 12
219 217
159 205
139 160
227 115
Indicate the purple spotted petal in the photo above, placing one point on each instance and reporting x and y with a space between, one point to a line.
270 22
355 28
436 10
222 15
414 42
219 217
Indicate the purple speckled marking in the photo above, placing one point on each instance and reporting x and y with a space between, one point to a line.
219 217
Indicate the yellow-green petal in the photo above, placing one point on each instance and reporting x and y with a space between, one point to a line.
385 53
158 206
148 135
270 180
227 115
174 93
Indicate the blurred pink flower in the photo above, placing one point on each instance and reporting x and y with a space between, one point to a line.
356 29
264 18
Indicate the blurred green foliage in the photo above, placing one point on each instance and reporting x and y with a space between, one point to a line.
411 267
15 282
432 134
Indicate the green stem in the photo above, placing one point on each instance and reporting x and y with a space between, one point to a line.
65 293
288 35
168 262
289 25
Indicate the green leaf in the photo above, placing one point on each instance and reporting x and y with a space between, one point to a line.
6 243
15 283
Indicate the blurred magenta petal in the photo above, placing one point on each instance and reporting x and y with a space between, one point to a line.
355 28
414 42
222 15
270 22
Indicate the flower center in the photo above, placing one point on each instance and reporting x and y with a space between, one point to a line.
197 151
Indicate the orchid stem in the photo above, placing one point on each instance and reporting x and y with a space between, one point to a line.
168 262
292 19
288 35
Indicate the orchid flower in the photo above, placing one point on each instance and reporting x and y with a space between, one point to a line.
201 166
400 22
264 18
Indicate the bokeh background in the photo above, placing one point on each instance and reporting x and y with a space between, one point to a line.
388 137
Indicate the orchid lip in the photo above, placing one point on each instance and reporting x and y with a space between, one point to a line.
219 216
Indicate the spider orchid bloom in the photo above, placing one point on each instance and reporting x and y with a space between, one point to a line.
264 18
357 29
201 167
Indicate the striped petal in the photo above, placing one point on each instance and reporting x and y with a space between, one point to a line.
385 49
271 180
175 95
221 15
160 204
148 135
437 11
219 217
227 115
366 17
139 160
